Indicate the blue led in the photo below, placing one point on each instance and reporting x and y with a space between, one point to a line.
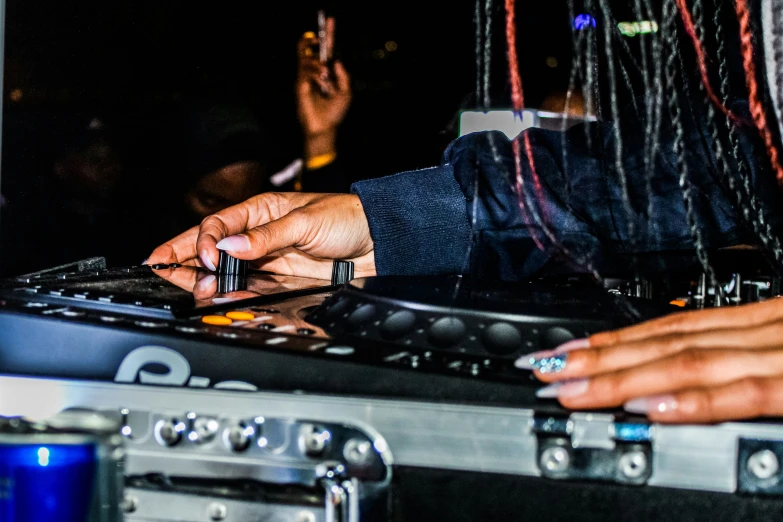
583 21
52 483
631 432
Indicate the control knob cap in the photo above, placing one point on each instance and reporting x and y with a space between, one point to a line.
238 437
169 431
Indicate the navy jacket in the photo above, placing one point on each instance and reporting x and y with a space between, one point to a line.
465 215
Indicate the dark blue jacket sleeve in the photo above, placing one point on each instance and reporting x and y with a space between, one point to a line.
470 215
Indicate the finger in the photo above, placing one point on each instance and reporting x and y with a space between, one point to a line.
330 26
255 243
181 249
681 371
551 366
205 286
342 77
755 314
291 261
255 211
746 398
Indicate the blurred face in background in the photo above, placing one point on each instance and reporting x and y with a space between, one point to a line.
224 187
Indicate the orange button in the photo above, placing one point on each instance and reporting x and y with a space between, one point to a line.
216 320
240 316
678 302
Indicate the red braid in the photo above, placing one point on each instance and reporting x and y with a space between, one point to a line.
518 102
756 109
701 56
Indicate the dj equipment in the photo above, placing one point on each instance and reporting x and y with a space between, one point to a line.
251 396
68 468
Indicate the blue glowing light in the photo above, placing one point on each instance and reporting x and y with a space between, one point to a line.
43 456
583 21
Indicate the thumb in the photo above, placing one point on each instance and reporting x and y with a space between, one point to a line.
266 239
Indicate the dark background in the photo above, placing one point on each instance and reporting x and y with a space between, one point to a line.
129 62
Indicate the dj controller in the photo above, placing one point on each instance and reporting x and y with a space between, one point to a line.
243 395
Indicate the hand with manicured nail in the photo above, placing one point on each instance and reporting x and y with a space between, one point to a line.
707 366
285 233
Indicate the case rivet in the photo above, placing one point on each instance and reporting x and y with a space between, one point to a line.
763 464
555 459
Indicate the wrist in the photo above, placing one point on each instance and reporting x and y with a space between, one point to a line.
320 144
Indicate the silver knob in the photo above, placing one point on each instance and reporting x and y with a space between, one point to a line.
633 464
763 464
555 459
358 452
169 432
238 437
205 429
313 440
217 511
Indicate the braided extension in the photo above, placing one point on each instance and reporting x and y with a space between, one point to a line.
777 44
576 70
487 50
701 57
479 64
648 106
670 17
618 145
751 213
518 98
756 108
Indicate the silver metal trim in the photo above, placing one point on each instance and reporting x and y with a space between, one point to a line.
423 434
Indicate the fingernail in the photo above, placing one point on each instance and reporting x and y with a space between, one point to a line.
235 244
563 389
547 362
145 261
531 360
576 344
207 261
644 405
203 285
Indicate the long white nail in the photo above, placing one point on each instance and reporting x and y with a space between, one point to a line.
207 261
234 244
563 389
203 285
576 344
655 403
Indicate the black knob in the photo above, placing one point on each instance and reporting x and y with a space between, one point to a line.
231 266
342 272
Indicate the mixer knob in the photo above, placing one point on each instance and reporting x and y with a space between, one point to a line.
238 437
169 432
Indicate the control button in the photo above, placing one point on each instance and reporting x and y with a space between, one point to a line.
73 313
216 320
361 315
446 331
678 302
238 437
556 336
502 339
240 316
149 324
398 324
338 308
169 432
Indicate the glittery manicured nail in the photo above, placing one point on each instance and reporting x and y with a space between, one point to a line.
235 244
576 344
530 361
563 389
203 285
145 261
644 405
207 261
549 363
